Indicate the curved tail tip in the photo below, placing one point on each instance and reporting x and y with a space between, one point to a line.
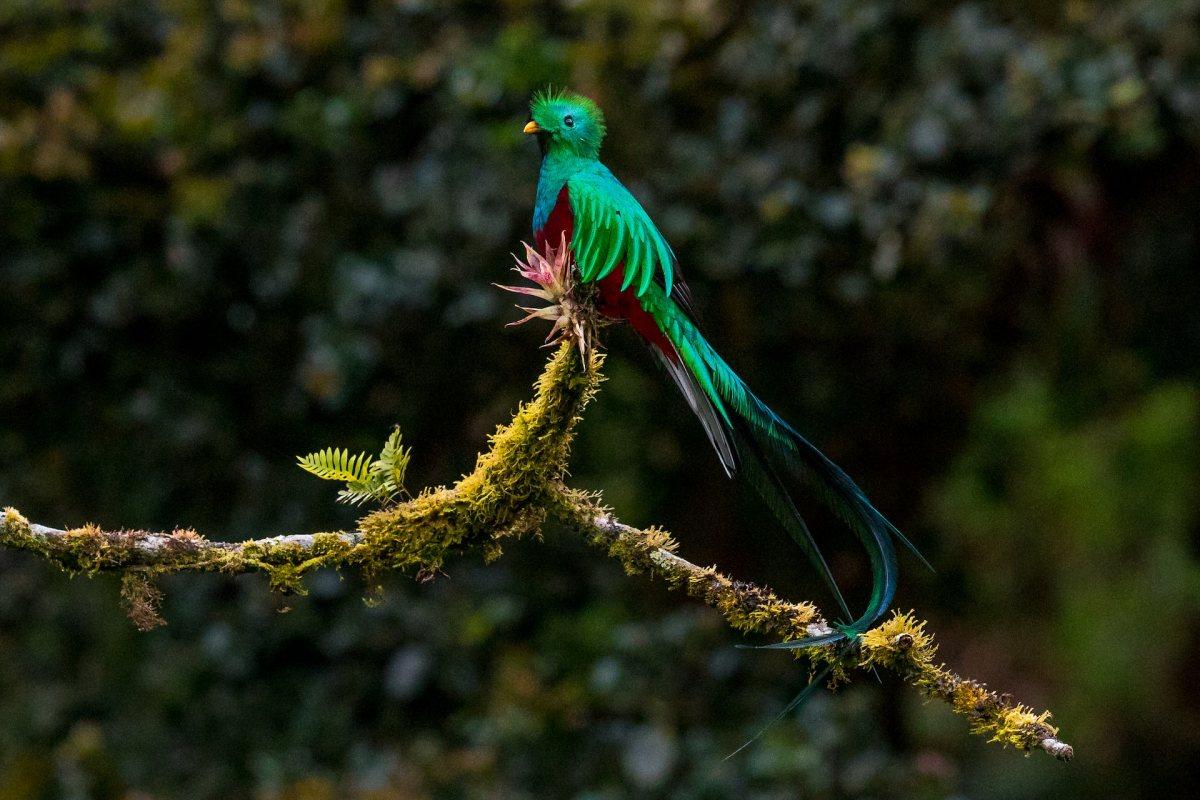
840 633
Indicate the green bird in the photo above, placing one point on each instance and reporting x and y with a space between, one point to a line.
619 250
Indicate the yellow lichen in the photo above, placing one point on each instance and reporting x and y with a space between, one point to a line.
513 488
1018 726
507 492
899 643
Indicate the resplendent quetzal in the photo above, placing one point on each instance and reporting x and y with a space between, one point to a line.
618 248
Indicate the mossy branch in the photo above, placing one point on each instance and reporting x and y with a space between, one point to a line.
515 486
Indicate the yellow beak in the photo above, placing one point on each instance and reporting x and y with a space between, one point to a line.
531 127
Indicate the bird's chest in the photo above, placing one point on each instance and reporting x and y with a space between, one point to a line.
559 227
558 224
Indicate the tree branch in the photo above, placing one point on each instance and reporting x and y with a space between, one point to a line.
515 486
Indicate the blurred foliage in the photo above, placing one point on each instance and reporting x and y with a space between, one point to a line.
955 241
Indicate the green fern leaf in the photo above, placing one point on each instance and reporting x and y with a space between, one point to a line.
392 463
361 495
380 480
333 464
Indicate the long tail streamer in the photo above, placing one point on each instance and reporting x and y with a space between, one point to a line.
718 394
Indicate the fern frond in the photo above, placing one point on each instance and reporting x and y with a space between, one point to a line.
392 463
334 464
357 494
379 480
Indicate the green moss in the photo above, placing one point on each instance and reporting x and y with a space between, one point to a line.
744 606
14 531
142 600
515 485
503 497
901 644
507 492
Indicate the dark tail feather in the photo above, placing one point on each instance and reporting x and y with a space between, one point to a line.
743 412
714 427
733 437
762 475
796 702
851 505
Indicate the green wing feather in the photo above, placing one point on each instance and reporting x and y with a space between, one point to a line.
611 228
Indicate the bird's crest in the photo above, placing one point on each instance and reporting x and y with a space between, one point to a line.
569 119
543 99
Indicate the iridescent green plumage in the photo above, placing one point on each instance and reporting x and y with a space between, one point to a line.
618 248
612 228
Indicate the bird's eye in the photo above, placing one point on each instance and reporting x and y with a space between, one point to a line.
569 121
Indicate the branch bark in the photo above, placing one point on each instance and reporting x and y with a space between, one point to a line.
515 487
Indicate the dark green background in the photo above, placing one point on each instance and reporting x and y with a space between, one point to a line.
956 243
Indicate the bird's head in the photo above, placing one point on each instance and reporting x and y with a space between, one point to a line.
566 122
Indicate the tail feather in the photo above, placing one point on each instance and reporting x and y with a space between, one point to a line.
842 496
732 437
714 425
762 475
797 701
764 432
